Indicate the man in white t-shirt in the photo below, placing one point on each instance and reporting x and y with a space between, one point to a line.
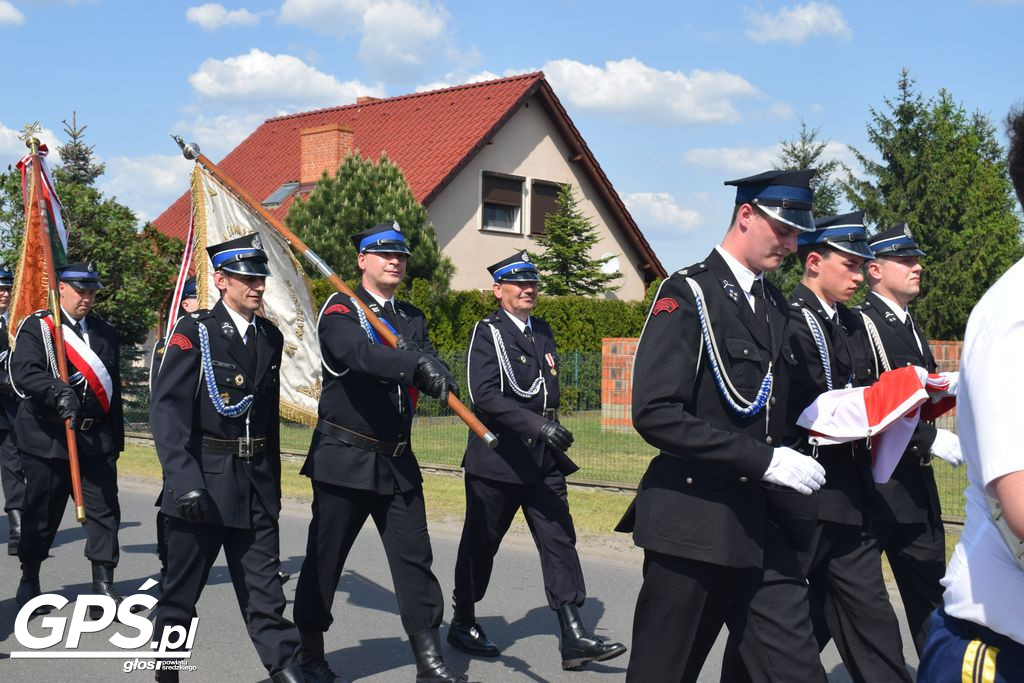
978 634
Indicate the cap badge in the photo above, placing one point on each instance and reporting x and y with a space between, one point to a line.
526 257
396 226
256 243
906 232
90 267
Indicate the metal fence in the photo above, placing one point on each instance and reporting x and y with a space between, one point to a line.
607 455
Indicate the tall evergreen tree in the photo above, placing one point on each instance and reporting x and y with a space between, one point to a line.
361 195
565 263
943 171
806 150
78 165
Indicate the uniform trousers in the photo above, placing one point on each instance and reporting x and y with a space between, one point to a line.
851 603
48 487
12 477
960 651
252 558
775 644
490 508
339 513
917 556
680 610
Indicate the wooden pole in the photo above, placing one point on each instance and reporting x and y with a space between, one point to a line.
191 151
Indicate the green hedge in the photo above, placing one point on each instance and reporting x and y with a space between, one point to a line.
579 323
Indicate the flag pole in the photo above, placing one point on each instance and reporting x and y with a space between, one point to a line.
37 209
191 152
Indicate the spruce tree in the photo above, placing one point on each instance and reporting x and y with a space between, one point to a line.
363 194
943 171
565 263
77 164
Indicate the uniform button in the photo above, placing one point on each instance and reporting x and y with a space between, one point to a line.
529 442
689 480
745 352
401 375
744 480
771 401
913 448
768 440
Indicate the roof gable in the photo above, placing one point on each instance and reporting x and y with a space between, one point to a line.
430 136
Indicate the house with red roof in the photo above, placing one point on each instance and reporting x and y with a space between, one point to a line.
485 159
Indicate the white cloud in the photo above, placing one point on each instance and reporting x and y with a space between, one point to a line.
452 79
399 39
147 184
213 16
12 149
261 76
797 23
218 134
741 161
630 89
10 15
661 209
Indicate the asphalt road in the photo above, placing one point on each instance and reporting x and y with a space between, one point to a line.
366 642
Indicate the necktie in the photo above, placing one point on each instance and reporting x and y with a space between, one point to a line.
77 327
389 310
250 344
757 291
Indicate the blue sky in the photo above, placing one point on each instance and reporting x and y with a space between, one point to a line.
672 97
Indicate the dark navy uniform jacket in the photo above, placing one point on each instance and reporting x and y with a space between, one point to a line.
701 498
366 391
848 488
38 428
182 414
520 458
8 399
910 496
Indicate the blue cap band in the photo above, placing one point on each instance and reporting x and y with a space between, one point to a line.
78 275
230 254
746 194
894 244
385 236
841 233
520 266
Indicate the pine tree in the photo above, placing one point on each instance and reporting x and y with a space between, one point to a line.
806 151
361 195
77 162
565 264
944 172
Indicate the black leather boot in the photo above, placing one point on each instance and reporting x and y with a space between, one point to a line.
467 635
13 531
312 662
28 588
292 674
430 666
577 645
103 584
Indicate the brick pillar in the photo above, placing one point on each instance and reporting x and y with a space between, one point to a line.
323 149
617 383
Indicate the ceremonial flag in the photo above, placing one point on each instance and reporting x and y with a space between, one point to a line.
219 215
885 412
30 281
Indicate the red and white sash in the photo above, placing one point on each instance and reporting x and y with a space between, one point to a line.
85 361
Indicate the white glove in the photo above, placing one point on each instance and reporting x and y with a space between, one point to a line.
954 380
947 447
794 470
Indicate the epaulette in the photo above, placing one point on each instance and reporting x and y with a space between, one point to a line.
201 314
42 313
492 318
692 270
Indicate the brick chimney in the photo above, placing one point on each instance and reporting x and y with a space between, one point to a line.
323 149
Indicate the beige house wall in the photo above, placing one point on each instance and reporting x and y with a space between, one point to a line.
527 146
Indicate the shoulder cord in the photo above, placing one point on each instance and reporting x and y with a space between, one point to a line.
506 369
725 386
819 341
211 384
363 322
51 356
881 359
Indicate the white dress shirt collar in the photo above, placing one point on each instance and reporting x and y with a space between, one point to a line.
239 320
519 323
744 276
901 313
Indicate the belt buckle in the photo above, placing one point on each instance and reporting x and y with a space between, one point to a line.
86 424
245 448
399 449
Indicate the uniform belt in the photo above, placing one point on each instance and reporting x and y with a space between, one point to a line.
391 449
85 424
241 447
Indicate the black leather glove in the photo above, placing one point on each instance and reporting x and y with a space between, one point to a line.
556 435
404 344
433 378
68 405
194 506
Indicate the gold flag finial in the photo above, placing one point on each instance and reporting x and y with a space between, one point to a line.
28 136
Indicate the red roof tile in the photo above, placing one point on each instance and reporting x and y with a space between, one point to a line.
429 135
